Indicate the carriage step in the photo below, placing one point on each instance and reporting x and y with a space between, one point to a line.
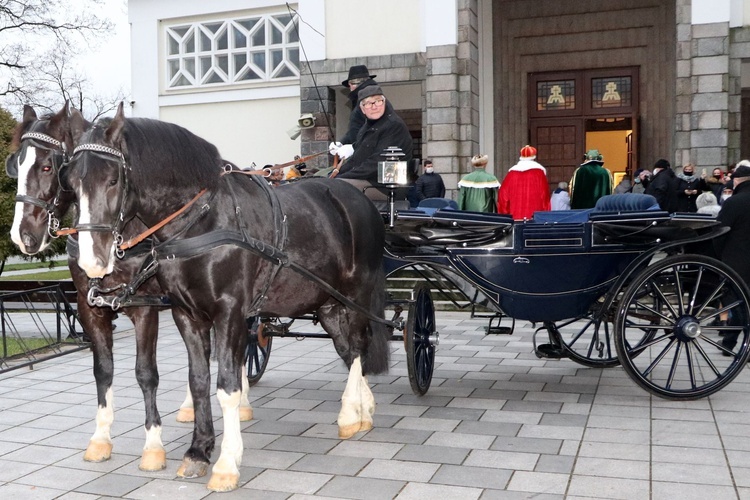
550 351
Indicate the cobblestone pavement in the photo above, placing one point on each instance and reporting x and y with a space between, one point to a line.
497 423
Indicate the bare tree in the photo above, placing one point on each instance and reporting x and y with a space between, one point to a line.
39 40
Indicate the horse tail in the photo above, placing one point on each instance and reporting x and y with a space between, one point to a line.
377 357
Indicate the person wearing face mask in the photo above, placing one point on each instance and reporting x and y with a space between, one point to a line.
688 185
430 185
715 183
726 193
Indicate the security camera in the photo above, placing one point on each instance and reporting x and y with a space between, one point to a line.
306 121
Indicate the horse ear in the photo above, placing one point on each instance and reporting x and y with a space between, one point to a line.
114 130
28 113
77 125
58 123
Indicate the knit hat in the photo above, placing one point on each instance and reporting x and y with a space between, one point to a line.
528 153
479 160
593 156
369 91
358 71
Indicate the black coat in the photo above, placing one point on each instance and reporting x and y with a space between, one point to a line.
732 248
372 139
663 187
357 117
430 186
686 202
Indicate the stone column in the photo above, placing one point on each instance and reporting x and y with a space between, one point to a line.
451 119
703 112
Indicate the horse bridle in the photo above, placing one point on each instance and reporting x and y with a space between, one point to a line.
110 154
59 158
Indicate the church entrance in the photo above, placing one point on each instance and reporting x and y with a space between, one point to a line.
573 112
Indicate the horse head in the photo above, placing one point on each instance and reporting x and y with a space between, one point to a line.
97 174
41 148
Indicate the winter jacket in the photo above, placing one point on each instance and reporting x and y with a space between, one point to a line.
372 139
357 117
732 248
663 187
430 186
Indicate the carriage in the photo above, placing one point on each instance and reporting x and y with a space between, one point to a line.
621 283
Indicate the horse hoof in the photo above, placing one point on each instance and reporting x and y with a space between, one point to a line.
190 469
153 460
246 414
98 451
223 482
186 415
347 431
365 426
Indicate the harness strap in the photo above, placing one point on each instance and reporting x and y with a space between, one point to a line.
199 244
148 232
266 172
49 207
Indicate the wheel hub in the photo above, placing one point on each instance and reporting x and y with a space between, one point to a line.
688 328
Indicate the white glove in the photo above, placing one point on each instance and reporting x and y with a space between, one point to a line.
333 147
345 151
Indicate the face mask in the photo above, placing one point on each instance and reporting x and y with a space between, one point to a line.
688 173
429 170
717 176
725 196
637 180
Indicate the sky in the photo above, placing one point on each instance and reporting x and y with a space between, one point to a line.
107 66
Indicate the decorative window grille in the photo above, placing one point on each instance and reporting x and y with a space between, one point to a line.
556 95
612 92
260 48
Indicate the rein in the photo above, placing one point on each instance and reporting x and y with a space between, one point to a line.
267 172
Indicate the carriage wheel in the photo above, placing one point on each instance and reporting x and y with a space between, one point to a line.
420 339
666 330
589 341
257 352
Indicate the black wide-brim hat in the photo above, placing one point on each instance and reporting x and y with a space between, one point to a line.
357 71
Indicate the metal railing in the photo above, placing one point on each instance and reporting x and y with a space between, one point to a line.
43 313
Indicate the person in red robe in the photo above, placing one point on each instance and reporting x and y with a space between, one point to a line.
525 189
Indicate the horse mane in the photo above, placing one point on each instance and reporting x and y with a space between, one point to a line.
162 153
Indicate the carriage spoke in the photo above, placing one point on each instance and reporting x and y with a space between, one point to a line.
694 294
673 365
678 292
705 356
658 358
657 291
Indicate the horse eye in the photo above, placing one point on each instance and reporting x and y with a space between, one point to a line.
113 182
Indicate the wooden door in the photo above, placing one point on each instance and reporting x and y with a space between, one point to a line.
559 143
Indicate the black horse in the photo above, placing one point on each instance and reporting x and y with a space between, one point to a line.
229 247
41 145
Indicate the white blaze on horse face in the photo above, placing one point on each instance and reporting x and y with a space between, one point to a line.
87 259
23 175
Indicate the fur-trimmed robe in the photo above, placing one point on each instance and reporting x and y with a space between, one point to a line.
524 190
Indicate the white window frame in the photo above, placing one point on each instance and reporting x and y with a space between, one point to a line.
241 51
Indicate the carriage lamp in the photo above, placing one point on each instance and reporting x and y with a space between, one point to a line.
392 170
392 173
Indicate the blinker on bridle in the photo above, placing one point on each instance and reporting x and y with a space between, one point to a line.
59 157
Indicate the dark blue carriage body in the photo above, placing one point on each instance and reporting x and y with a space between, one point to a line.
547 269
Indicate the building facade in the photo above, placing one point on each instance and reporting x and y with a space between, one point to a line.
638 80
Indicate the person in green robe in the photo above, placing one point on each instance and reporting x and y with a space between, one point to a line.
477 191
590 181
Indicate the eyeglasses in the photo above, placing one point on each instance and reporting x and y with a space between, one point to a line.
373 103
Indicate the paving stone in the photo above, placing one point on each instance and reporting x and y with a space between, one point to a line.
489 428
366 449
400 470
404 436
555 463
439 454
289 481
476 477
528 445
113 484
419 491
330 464
302 444
502 460
361 488
538 482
